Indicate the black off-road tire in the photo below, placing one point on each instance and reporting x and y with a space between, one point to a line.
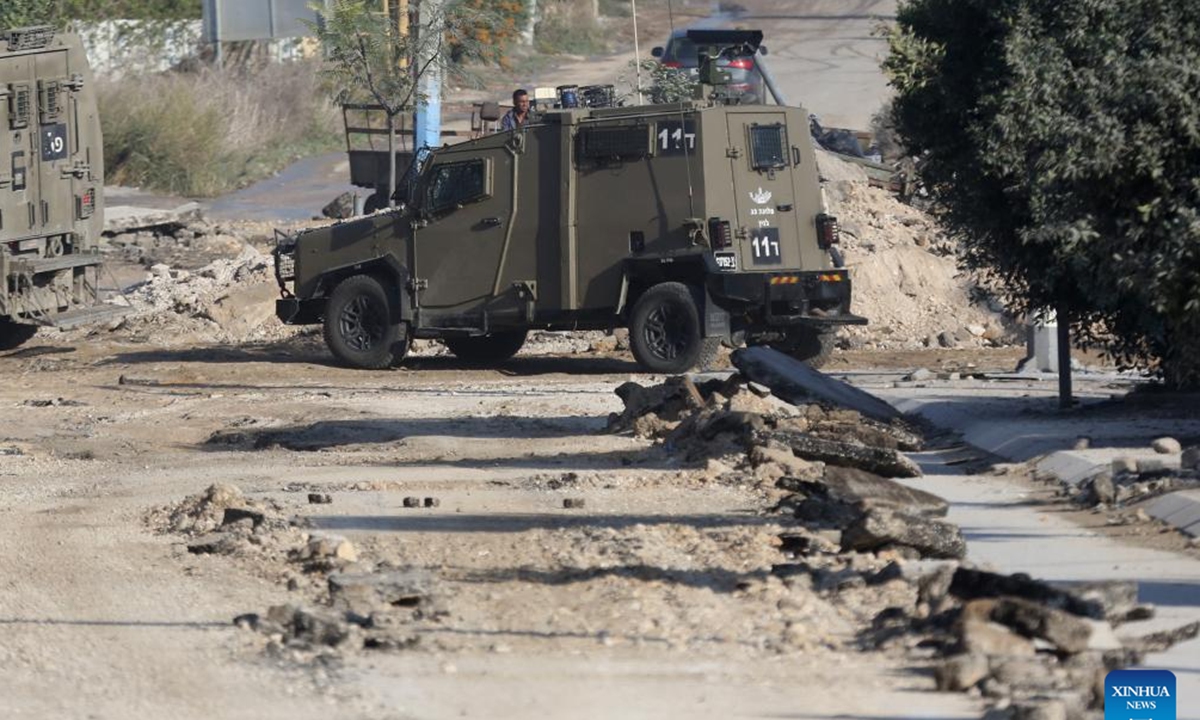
13 335
665 331
809 346
359 329
487 349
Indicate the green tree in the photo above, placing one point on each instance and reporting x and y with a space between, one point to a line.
1061 141
23 13
369 59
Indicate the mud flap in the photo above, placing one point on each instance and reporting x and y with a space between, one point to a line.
715 318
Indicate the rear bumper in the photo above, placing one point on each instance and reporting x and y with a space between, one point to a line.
819 299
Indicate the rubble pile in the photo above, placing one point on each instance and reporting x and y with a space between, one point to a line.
227 300
1035 649
187 245
829 467
1133 481
906 280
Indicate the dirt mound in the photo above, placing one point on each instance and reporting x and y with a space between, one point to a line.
906 279
202 513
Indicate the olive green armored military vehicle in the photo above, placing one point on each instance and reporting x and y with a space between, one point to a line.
51 185
691 224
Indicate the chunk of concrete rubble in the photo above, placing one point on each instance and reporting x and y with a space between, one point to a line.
1066 632
1164 640
341 207
979 635
1190 460
215 544
307 625
325 546
971 584
1124 465
881 461
1103 488
960 673
1150 466
793 381
878 528
919 375
1166 446
363 592
1116 598
870 490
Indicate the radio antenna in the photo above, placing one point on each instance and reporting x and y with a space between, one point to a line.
683 136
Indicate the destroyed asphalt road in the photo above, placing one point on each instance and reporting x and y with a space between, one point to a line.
667 594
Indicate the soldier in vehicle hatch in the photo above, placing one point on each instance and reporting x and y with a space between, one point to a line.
516 117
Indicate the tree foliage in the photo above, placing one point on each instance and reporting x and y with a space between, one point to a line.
22 13
369 59
1061 141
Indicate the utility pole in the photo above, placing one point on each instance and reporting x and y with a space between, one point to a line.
637 55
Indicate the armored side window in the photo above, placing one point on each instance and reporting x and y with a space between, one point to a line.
627 142
18 106
768 146
459 183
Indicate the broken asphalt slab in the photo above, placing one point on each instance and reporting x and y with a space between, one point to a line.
794 381
129 209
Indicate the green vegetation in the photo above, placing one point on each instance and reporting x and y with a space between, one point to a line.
18 13
207 133
369 60
660 84
1061 140
569 27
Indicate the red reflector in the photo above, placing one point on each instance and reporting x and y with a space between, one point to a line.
672 64
831 277
741 63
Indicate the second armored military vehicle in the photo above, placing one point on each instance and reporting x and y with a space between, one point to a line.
51 185
691 224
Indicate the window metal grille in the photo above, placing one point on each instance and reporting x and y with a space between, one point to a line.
768 146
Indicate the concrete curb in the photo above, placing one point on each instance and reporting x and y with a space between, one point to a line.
1180 509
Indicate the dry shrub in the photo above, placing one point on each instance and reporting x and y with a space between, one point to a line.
204 133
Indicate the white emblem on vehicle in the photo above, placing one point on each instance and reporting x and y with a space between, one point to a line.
762 197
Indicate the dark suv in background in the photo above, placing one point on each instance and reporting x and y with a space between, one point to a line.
745 79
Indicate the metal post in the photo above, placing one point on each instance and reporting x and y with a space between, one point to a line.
637 55
769 79
1064 359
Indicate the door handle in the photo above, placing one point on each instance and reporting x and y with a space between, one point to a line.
491 222
795 155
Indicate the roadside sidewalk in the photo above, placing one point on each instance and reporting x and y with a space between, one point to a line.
1018 421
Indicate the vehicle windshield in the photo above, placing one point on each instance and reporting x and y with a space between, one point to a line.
682 51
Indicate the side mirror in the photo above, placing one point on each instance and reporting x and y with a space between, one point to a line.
762 49
656 52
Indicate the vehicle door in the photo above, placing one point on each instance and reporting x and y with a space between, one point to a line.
56 143
762 157
466 202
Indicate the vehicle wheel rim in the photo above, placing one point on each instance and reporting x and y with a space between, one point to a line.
360 324
666 332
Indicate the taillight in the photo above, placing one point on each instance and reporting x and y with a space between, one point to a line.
719 233
672 64
741 63
827 231
85 204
